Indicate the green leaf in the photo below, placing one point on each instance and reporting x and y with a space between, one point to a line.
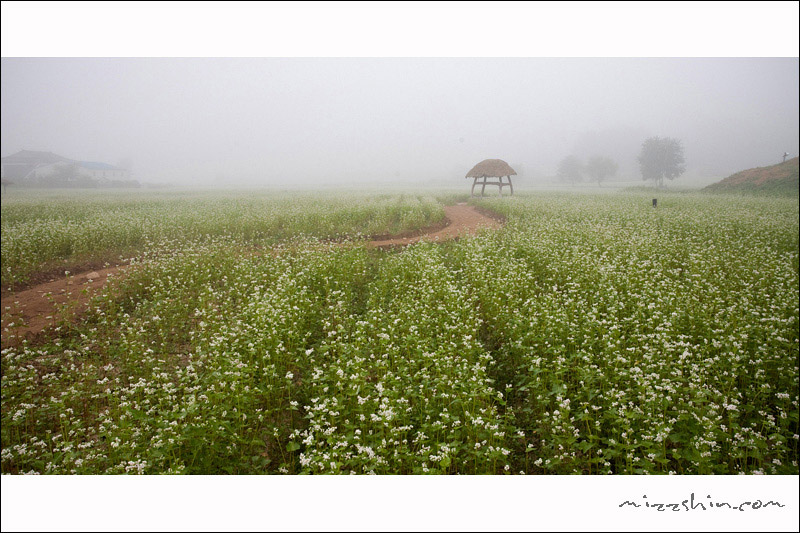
445 462
292 446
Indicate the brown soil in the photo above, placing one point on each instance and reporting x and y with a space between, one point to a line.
464 220
53 271
26 313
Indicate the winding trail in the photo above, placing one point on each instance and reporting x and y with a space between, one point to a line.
27 313
464 220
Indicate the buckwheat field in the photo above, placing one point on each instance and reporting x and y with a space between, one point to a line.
260 334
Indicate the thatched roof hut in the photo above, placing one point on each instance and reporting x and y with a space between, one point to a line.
491 168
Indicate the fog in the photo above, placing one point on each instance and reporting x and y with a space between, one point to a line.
294 121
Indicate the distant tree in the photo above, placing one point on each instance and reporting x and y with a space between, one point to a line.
6 183
570 169
601 168
661 158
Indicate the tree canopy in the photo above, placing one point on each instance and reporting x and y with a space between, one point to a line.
661 158
601 168
570 169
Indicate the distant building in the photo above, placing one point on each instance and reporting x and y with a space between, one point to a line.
102 171
19 166
80 170
34 167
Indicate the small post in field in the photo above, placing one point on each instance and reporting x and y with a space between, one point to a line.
655 202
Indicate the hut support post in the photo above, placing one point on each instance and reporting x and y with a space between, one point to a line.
491 168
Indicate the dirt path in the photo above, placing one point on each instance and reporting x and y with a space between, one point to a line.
464 220
28 312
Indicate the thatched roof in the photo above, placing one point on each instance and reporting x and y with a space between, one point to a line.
491 168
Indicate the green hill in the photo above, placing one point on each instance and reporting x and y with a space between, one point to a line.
780 179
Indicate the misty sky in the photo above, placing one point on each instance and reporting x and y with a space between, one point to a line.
271 121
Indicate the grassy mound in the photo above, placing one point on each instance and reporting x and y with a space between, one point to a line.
780 179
